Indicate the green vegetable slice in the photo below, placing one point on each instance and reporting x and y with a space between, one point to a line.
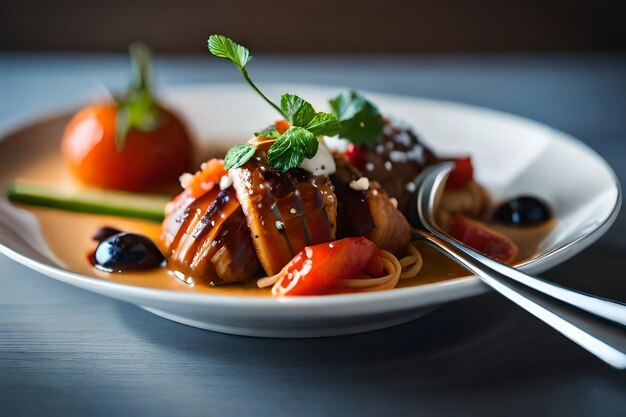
89 200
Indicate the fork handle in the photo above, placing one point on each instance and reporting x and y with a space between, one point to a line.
585 324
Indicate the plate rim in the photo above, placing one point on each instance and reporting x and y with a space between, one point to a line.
470 285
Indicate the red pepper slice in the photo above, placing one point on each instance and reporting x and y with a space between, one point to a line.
316 268
483 239
462 173
355 156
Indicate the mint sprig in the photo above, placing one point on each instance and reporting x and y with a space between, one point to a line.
301 113
238 155
299 141
291 148
270 133
223 47
361 122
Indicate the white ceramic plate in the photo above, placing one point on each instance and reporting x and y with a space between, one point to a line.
512 156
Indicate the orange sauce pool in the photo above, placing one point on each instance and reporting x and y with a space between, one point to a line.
69 237
34 156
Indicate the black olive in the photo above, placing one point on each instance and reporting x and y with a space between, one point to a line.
522 211
126 252
104 232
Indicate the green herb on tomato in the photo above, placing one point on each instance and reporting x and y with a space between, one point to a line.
138 109
132 143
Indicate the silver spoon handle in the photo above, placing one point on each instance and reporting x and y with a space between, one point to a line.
564 310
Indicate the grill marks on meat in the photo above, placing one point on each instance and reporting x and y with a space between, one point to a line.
209 238
286 211
268 216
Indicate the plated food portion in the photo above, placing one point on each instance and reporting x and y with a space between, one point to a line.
314 203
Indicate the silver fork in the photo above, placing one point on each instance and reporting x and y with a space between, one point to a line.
594 323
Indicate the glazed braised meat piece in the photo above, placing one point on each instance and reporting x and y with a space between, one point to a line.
209 239
365 209
395 161
286 211
399 158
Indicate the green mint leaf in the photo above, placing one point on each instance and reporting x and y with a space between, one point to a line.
298 111
324 124
270 133
223 47
361 122
238 155
291 148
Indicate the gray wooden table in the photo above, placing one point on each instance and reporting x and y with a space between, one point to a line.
66 352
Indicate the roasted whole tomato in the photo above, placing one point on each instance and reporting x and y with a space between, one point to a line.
147 158
131 144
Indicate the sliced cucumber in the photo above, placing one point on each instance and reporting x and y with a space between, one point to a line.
89 200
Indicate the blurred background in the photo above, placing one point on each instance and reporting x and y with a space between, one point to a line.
560 62
315 26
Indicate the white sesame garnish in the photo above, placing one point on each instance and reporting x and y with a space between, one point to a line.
388 165
330 245
374 192
225 182
260 205
280 225
410 187
369 167
308 251
394 202
292 210
362 184
398 156
380 148
185 179
403 137
418 153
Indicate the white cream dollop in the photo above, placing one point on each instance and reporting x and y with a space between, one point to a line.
322 163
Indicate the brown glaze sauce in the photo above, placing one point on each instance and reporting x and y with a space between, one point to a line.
71 244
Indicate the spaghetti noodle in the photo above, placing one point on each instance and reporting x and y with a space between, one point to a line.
396 269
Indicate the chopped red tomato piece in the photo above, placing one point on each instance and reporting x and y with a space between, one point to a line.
316 268
462 173
282 126
355 156
204 180
483 239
